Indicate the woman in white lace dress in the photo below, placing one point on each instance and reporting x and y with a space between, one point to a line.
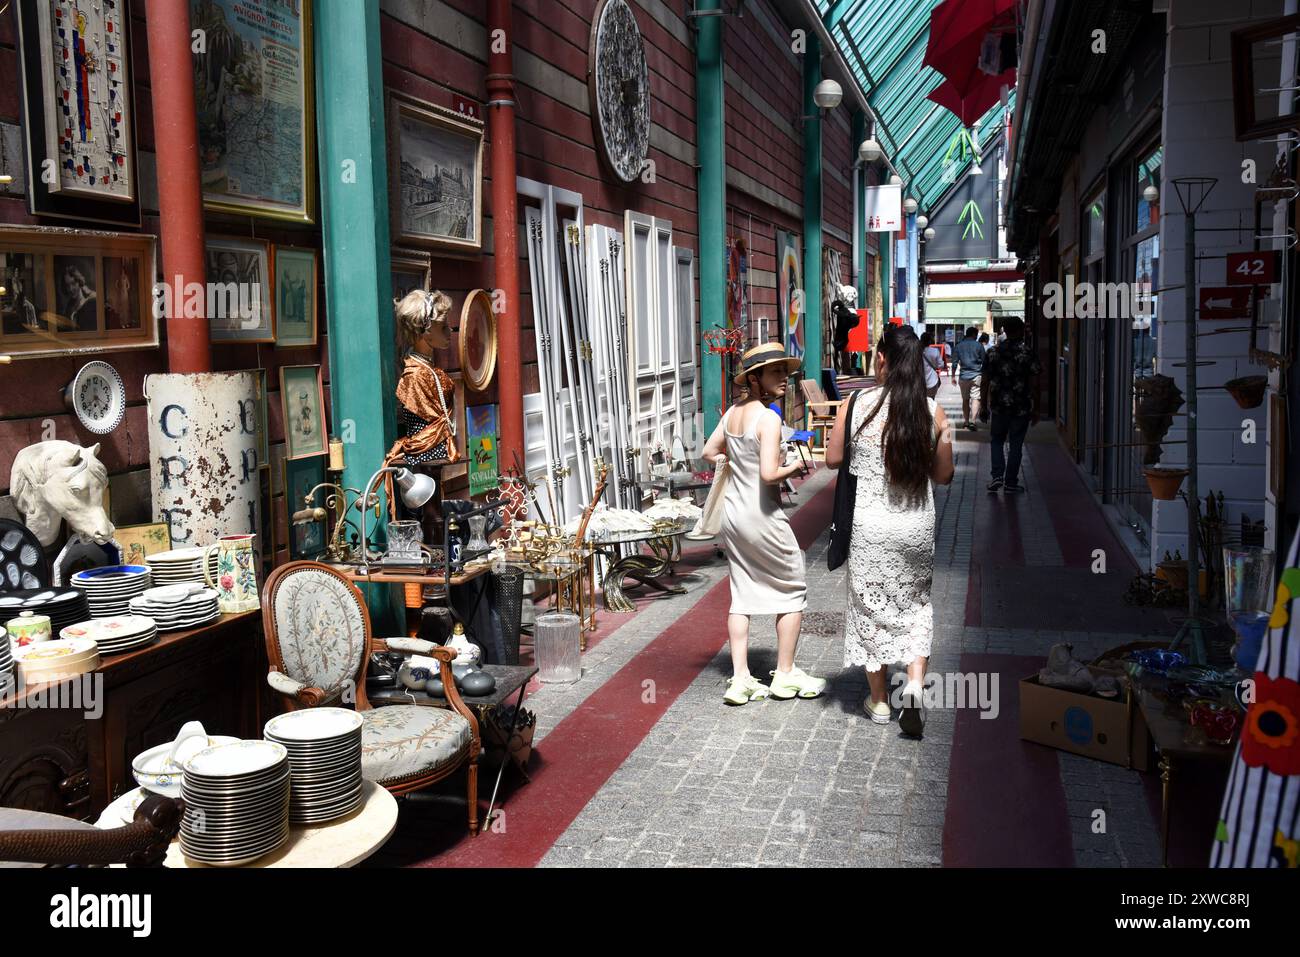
899 442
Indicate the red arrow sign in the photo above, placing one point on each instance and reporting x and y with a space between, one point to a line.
1258 268
1225 302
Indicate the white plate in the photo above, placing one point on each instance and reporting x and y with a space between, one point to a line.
175 555
233 760
313 724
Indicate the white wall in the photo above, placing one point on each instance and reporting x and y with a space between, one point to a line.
1199 141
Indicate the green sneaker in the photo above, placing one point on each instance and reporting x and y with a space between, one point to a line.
786 685
741 690
879 711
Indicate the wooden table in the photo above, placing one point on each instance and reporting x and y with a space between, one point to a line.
1170 735
74 760
345 842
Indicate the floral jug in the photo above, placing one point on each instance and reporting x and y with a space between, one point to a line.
236 572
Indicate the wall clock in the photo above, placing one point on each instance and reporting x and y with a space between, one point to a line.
98 397
620 89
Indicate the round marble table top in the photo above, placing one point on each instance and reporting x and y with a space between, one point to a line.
341 843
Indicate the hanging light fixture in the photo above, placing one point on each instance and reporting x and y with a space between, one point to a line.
909 205
929 234
869 151
828 94
1151 194
895 180
922 221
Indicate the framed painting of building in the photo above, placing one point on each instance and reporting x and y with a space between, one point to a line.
240 307
64 291
79 109
296 278
254 95
435 175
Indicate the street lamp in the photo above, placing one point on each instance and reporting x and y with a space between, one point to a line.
895 180
1151 194
909 205
922 221
869 151
828 94
929 234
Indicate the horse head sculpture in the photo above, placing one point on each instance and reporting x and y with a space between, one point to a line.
53 481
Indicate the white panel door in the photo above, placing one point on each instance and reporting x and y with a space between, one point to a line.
688 366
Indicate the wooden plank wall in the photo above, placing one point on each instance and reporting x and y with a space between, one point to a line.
31 401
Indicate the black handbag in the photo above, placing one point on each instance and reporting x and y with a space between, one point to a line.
846 496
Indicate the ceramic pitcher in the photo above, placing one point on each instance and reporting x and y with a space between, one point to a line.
236 572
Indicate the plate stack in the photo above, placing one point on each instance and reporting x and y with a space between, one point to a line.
111 588
6 665
324 746
174 607
63 606
236 803
180 566
115 635
62 658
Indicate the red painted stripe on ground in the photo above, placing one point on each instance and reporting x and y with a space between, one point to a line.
1078 526
593 742
1006 805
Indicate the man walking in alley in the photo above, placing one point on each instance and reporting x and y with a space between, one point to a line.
1008 394
969 360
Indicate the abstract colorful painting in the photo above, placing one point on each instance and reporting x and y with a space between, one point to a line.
789 292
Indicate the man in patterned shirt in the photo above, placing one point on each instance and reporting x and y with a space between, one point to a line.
1008 394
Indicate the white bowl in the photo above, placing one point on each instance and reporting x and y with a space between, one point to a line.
151 770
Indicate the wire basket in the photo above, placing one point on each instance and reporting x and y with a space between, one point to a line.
510 607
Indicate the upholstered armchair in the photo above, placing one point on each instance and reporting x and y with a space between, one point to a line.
318 641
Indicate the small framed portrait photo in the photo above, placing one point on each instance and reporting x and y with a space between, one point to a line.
295 296
302 399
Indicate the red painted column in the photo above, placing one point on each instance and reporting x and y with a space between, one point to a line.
180 197
505 234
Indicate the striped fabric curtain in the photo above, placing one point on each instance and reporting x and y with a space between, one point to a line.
1259 823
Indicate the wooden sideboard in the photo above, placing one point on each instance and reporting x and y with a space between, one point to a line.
60 761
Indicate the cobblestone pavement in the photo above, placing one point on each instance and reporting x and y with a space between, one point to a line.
814 782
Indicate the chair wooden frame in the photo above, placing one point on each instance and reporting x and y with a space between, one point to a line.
819 414
307 697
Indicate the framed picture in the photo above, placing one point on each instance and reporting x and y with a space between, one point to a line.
481 422
306 539
139 541
436 172
64 291
79 109
254 94
267 538
1256 55
239 287
263 420
412 270
302 397
296 276
478 340
459 468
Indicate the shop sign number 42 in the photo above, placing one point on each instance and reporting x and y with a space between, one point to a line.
1258 268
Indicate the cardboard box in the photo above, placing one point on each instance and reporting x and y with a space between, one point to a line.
1108 729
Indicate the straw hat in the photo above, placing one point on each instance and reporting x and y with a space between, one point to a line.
764 355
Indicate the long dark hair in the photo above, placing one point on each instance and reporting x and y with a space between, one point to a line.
908 436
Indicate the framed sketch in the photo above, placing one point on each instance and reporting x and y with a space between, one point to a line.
139 541
436 175
1256 61
411 270
239 289
478 340
296 276
254 95
64 291
302 398
306 539
79 109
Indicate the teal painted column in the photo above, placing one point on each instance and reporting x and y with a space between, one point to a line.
712 196
812 213
354 220
860 240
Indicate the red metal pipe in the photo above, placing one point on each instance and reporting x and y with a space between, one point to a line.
505 235
180 196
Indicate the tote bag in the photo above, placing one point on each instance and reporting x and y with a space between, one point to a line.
846 496
710 522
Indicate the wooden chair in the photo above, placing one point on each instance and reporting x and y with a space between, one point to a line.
318 641
819 415
32 838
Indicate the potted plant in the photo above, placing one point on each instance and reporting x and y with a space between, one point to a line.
1164 482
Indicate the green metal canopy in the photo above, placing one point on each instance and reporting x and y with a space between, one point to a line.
883 42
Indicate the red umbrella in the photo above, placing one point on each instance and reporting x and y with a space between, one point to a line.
981 94
957 29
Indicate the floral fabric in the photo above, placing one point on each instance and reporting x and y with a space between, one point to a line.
401 740
320 628
1009 369
891 556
